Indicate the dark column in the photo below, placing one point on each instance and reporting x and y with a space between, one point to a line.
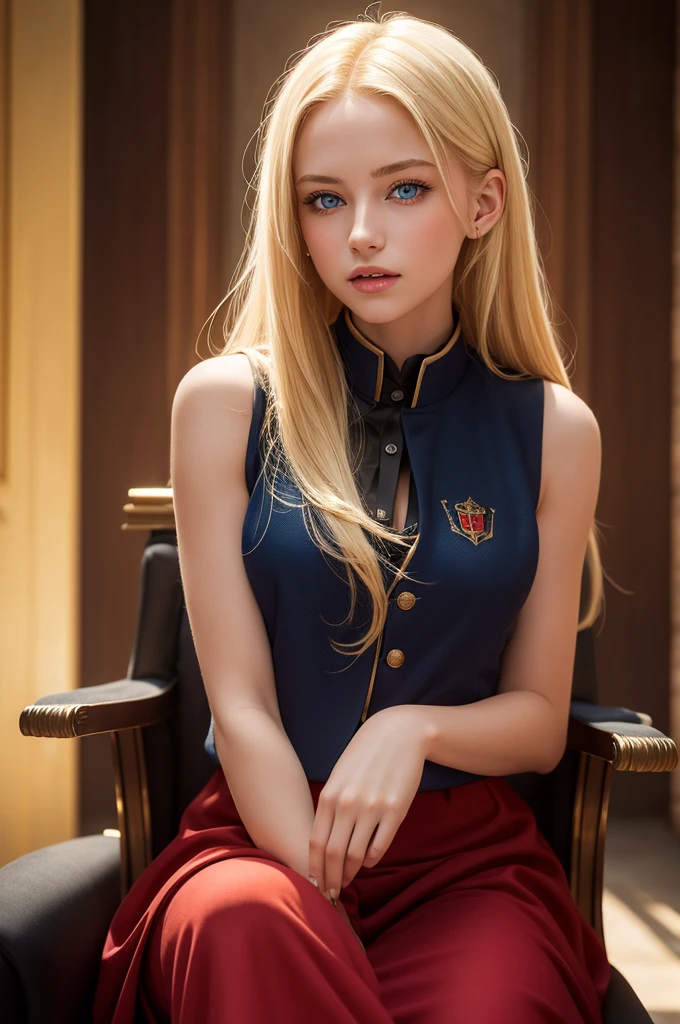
603 173
153 224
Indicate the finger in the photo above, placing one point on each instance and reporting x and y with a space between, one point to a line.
385 833
364 830
321 830
336 849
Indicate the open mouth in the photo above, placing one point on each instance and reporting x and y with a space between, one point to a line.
360 277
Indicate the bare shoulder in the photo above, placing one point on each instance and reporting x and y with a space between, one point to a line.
212 406
569 422
571 442
229 377
566 412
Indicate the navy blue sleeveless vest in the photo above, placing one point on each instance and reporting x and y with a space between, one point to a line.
474 443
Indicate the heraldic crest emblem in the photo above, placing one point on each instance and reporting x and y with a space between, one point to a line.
474 522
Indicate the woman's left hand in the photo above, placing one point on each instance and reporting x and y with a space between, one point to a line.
371 787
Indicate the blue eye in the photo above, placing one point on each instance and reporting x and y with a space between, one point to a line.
414 190
410 187
329 201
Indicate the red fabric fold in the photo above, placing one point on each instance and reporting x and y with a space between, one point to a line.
468 909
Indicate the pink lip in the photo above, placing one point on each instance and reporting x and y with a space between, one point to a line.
370 285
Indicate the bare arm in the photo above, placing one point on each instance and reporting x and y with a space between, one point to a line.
211 417
524 726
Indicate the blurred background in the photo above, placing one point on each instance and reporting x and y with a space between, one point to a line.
125 141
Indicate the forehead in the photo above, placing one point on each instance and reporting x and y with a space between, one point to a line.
370 130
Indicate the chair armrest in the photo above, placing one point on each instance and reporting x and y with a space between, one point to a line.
57 905
125 704
618 736
151 508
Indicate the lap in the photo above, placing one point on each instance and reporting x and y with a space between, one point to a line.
483 935
239 885
481 955
232 919
235 897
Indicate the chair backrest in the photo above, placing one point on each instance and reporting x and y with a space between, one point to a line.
176 763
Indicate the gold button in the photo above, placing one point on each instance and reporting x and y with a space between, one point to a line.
406 600
395 658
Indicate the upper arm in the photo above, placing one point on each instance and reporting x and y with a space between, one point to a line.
211 418
541 651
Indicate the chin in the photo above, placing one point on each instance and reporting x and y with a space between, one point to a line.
377 309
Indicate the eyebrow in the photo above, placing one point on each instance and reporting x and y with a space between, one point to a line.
379 172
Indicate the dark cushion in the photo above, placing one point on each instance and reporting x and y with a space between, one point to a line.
56 905
587 712
621 1004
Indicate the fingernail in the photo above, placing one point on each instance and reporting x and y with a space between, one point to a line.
333 893
314 881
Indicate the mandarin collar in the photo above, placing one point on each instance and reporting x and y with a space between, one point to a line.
423 379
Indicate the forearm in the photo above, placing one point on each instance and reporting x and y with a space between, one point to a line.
268 785
505 734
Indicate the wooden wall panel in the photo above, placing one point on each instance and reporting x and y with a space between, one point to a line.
154 87
560 165
40 69
634 46
603 177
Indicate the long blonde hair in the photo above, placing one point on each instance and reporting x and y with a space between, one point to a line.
279 311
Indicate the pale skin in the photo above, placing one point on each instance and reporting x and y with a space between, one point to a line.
366 220
521 728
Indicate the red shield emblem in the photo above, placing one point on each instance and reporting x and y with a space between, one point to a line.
474 521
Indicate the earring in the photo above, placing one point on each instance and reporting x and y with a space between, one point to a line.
307 254
477 229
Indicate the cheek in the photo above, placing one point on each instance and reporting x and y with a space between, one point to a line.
432 234
320 234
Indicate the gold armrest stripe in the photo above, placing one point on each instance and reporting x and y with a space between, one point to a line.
644 753
624 753
67 721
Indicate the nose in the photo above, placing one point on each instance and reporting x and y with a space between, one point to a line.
366 234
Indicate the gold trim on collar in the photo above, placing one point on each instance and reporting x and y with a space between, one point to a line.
381 357
432 359
374 348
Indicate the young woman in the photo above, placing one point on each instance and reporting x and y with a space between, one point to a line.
384 490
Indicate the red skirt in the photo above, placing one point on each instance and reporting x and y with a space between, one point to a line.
468 917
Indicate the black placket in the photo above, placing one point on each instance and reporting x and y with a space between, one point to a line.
385 449
381 392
